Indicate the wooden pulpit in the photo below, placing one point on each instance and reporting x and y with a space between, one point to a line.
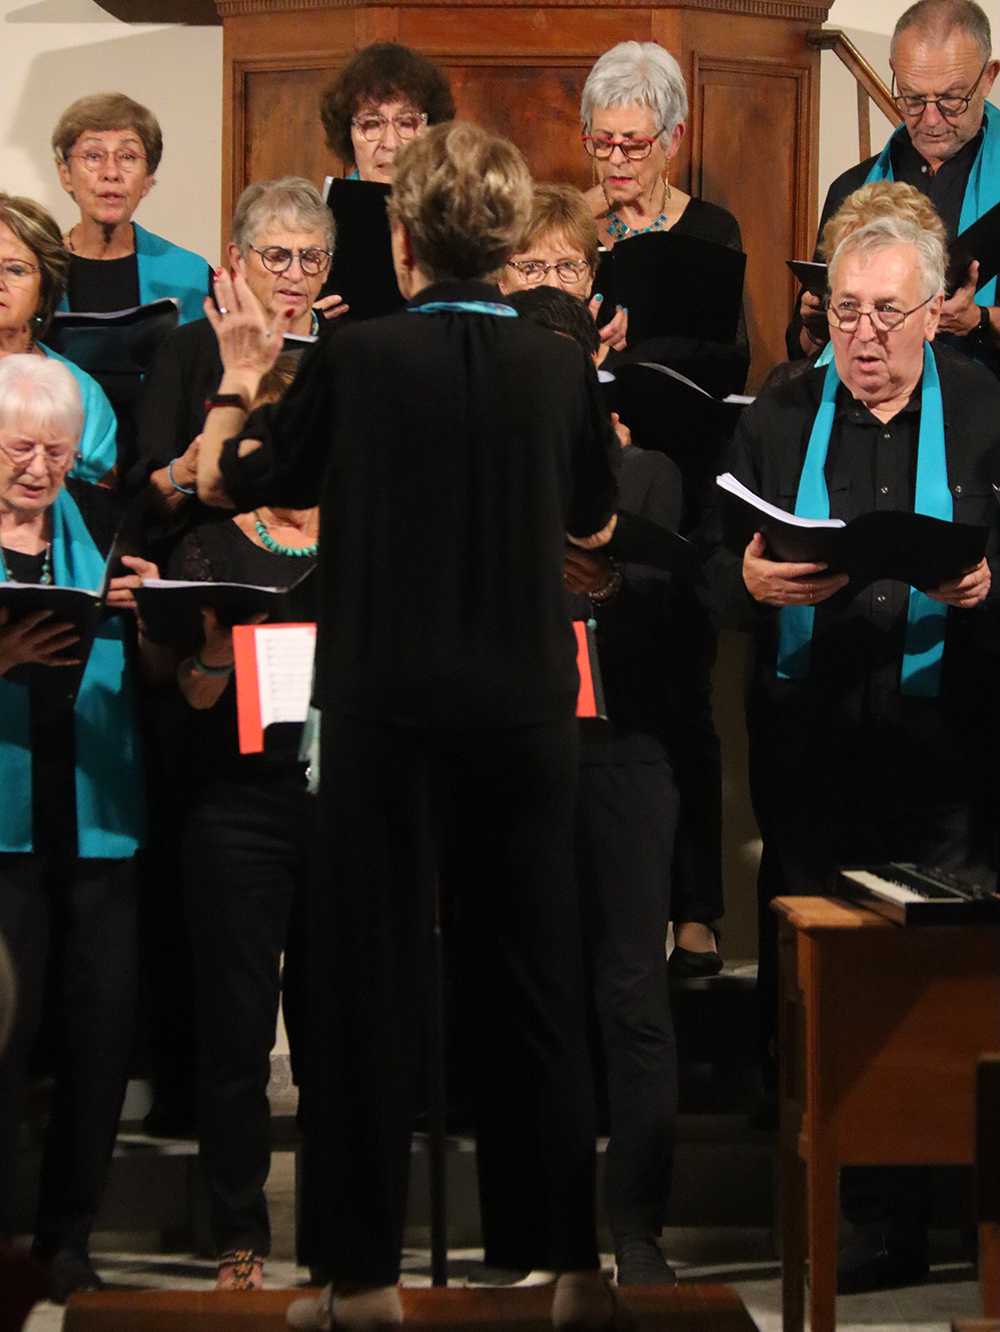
519 68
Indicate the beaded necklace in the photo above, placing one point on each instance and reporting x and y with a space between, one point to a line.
620 229
46 566
268 541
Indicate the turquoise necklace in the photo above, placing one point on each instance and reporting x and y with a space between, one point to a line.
268 541
620 229
46 574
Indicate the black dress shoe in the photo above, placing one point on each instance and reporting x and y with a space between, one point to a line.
639 1261
686 964
879 1260
72 1271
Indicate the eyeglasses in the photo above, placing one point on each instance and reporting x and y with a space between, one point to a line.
884 318
16 271
57 457
633 149
535 270
276 259
127 160
948 106
407 125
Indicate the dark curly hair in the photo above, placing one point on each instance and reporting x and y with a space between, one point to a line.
559 310
380 73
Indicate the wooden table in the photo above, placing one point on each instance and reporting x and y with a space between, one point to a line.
881 1027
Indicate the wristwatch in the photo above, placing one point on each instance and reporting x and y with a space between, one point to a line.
984 328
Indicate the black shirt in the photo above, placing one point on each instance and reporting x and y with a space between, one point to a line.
858 634
102 286
450 453
221 553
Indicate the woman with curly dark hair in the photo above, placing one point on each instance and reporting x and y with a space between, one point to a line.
382 97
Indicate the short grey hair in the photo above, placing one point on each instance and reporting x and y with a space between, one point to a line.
937 19
637 72
886 232
39 393
292 202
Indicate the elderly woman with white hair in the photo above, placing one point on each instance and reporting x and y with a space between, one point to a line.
633 110
71 818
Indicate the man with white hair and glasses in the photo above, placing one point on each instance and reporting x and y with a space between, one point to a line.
868 705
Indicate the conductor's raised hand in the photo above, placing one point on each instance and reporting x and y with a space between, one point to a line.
967 591
35 637
248 345
786 584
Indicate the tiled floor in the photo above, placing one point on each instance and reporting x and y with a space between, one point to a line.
743 1258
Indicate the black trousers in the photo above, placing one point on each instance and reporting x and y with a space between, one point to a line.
71 928
503 803
626 815
246 851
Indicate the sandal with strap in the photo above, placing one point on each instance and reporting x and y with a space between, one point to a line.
240 1269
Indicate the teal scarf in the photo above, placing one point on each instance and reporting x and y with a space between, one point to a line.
168 270
925 619
109 798
982 191
468 307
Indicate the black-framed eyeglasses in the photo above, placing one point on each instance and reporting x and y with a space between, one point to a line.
407 124
534 271
276 259
948 105
885 318
633 149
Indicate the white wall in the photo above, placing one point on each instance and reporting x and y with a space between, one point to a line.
869 24
54 51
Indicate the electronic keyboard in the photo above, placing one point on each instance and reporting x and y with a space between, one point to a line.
917 895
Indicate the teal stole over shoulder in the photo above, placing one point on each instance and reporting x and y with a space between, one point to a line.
109 797
925 619
982 190
168 270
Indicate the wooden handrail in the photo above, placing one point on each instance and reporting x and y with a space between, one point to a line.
870 86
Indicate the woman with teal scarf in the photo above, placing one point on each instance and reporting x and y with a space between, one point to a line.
71 818
33 274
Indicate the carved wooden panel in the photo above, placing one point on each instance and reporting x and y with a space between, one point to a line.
746 156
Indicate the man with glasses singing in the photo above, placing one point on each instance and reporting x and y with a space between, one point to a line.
948 146
868 705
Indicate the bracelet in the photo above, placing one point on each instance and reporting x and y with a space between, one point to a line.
204 669
225 400
609 589
185 490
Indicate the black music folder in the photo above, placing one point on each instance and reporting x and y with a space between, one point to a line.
979 241
638 540
907 547
170 609
80 607
667 411
812 276
362 271
123 342
673 285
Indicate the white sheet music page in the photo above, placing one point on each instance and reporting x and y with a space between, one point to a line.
284 670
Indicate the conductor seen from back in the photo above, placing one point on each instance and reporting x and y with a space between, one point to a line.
451 447
868 707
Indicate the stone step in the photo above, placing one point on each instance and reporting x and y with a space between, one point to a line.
693 1308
